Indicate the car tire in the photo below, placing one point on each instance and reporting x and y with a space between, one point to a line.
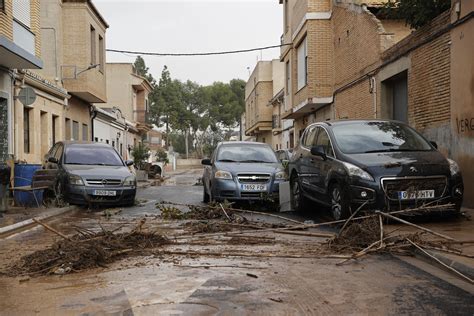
340 206
205 196
297 199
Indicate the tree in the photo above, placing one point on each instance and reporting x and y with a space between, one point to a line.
416 13
142 69
140 154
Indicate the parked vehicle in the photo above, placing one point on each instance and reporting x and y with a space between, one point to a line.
385 164
242 171
91 173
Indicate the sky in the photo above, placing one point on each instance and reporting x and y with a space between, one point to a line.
189 26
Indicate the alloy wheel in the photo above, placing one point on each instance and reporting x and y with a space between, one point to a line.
336 206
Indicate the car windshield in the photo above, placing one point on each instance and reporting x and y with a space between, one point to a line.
246 153
373 137
80 155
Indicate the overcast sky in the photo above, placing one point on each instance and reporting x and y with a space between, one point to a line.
187 26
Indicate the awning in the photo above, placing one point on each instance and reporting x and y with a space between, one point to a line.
13 56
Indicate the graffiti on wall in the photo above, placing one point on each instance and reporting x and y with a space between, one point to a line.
465 125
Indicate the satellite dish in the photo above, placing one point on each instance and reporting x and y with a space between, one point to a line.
27 96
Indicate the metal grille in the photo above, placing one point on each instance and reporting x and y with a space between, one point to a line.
251 194
253 178
392 186
104 182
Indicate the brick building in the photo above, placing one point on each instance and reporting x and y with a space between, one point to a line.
346 60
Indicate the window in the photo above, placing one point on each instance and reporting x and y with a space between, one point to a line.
68 129
288 78
309 137
26 130
21 11
302 56
85 132
93 47
53 127
323 140
2 5
101 54
96 139
59 153
75 130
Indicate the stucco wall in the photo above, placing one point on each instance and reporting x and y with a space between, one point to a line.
119 88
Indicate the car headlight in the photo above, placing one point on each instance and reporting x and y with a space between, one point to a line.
453 167
75 180
220 174
357 172
280 175
130 181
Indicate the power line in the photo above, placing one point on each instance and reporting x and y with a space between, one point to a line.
196 54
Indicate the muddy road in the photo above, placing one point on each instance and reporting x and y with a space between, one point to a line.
264 274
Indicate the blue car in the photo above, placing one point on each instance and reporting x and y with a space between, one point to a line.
242 171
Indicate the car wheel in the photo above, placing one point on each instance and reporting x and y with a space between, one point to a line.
296 197
205 196
340 208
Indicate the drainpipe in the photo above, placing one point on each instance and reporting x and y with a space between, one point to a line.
94 115
373 87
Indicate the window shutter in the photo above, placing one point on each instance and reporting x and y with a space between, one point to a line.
21 11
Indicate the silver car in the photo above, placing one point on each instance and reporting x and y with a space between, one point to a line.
242 171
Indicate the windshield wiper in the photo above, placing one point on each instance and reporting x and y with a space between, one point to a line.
391 150
226 160
253 160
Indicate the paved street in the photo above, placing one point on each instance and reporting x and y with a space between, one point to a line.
291 281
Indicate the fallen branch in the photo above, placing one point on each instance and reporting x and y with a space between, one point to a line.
305 234
265 214
255 255
361 253
225 213
414 225
51 229
350 218
440 262
381 231
217 266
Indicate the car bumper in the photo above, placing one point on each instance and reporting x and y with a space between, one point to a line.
84 195
374 196
231 190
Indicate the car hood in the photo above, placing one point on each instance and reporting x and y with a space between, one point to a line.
246 167
101 172
420 163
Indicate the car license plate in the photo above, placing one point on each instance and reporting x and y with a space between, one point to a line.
253 187
105 193
413 195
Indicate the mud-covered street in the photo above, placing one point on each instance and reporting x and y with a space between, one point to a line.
226 272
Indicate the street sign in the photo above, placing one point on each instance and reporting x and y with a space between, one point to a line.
27 96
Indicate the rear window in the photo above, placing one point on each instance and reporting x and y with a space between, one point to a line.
82 155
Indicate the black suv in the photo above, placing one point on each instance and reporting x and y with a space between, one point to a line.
386 165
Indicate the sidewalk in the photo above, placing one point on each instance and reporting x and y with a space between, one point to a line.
20 217
459 229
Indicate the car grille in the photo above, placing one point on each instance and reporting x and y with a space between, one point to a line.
252 194
392 186
104 182
253 177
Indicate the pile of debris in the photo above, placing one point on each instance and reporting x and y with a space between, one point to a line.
86 250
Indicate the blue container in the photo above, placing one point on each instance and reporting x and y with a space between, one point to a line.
24 176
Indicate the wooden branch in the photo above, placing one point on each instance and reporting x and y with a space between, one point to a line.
381 231
225 213
254 255
289 232
441 262
361 253
265 214
350 218
414 225
51 229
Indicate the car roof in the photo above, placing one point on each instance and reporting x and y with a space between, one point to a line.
242 143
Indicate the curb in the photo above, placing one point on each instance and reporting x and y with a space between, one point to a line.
7 230
461 267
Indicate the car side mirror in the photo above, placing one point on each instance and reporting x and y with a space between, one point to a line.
129 163
318 151
434 144
53 160
206 162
